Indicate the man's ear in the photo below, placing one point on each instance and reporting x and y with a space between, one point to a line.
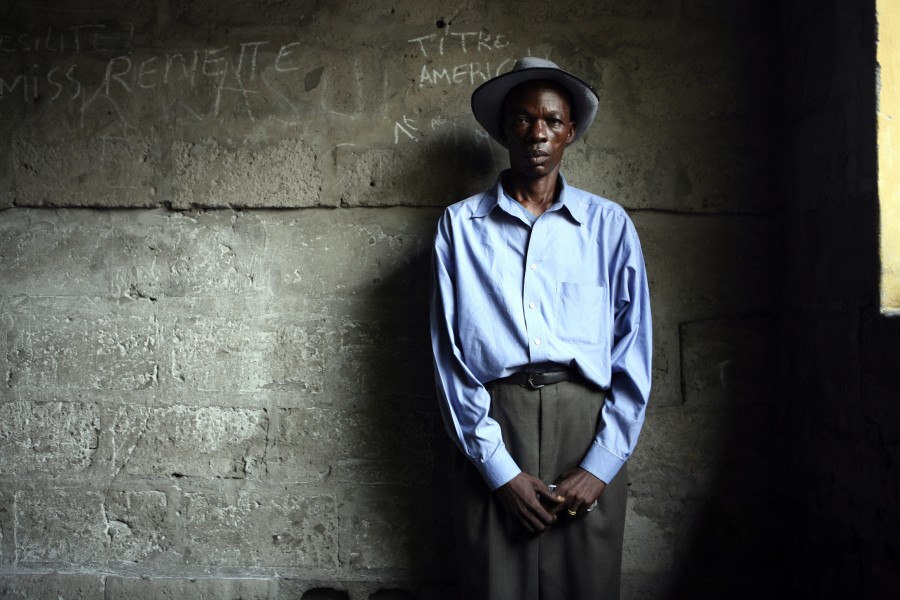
571 135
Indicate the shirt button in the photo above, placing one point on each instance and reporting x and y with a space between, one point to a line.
531 305
537 341
533 266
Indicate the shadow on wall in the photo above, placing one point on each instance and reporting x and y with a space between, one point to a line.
450 171
433 171
330 594
396 387
737 542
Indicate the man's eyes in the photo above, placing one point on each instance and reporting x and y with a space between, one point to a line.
524 120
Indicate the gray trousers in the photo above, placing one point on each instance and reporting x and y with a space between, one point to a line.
547 431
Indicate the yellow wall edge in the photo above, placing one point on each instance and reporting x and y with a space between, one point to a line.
889 152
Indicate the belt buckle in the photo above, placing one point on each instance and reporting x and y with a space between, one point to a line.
531 384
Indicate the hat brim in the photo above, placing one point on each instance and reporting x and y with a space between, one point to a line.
487 99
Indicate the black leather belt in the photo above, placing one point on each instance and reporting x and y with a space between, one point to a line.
536 379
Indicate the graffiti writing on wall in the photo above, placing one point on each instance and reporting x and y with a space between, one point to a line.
448 59
94 66
479 47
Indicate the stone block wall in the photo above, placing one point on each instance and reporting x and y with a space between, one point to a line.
214 261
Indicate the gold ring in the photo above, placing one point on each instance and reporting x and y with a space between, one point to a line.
571 512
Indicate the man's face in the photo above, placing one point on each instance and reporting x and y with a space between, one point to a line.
537 126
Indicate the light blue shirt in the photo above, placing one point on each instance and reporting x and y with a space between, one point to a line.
569 289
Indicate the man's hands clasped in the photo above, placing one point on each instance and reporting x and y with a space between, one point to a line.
523 497
580 489
535 505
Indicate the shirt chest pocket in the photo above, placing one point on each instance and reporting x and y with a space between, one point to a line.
582 313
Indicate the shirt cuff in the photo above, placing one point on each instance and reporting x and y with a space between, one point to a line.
498 469
601 463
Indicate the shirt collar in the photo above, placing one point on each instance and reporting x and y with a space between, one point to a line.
495 196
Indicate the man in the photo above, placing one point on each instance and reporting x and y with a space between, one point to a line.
540 326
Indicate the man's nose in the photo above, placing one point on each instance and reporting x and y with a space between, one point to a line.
538 131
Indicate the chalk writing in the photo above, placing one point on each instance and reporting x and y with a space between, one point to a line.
468 72
229 71
407 125
97 37
468 41
453 133
282 55
478 49
129 73
454 58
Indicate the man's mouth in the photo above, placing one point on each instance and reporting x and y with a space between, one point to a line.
538 157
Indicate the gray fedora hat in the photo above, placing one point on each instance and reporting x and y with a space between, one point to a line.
487 100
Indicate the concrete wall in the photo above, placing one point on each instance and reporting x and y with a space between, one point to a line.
213 278
842 406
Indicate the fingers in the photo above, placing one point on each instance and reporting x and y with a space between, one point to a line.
521 498
581 489
534 523
573 500
570 507
574 507
549 493
534 517
535 505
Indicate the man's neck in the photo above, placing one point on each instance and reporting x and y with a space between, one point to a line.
536 195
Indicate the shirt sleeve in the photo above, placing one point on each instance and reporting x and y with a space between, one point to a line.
632 349
464 401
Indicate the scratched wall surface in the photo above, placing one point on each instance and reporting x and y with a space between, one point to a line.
215 223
